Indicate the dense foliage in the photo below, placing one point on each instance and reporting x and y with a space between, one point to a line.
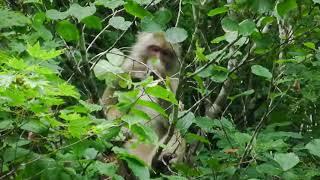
249 87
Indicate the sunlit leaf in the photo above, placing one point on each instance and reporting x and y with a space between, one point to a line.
68 31
314 147
81 12
112 4
36 52
286 160
92 22
135 9
216 11
10 18
176 35
119 22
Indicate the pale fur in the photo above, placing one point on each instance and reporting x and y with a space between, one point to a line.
138 66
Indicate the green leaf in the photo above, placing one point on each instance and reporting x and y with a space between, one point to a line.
81 12
261 71
34 126
218 39
162 93
229 25
314 147
310 45
6 80
191 138
176 35
247 27
286 160
115 57
152 105
246 93
163 16
56 15
138 170
10 18
135 9
103 67
92 22
149 25
108 169
144 133
316 1
91 107
285 6
67 31
111 4
216 11
184 123
6 124
36 52
119 22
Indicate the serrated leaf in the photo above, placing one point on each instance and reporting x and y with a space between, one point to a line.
81 12
152 105
92 22
34 126
314 147
286 160
216 11
176 35
36 52
261 71
10 18
135 9
91 107
162 93
108 169
67 31
119 22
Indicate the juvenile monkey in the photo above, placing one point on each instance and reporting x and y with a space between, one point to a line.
152 54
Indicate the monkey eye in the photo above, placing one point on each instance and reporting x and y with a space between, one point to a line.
154 49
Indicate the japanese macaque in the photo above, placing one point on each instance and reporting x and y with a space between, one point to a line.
152 55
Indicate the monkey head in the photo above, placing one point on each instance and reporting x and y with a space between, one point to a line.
156 54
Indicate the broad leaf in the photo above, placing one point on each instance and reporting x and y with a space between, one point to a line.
119 22
261 71
67 31
314 147
92 22
135 9
81 12
247 27
286 160
112 4
176 35
285 6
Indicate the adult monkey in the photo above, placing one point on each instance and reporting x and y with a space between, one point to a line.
152 54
